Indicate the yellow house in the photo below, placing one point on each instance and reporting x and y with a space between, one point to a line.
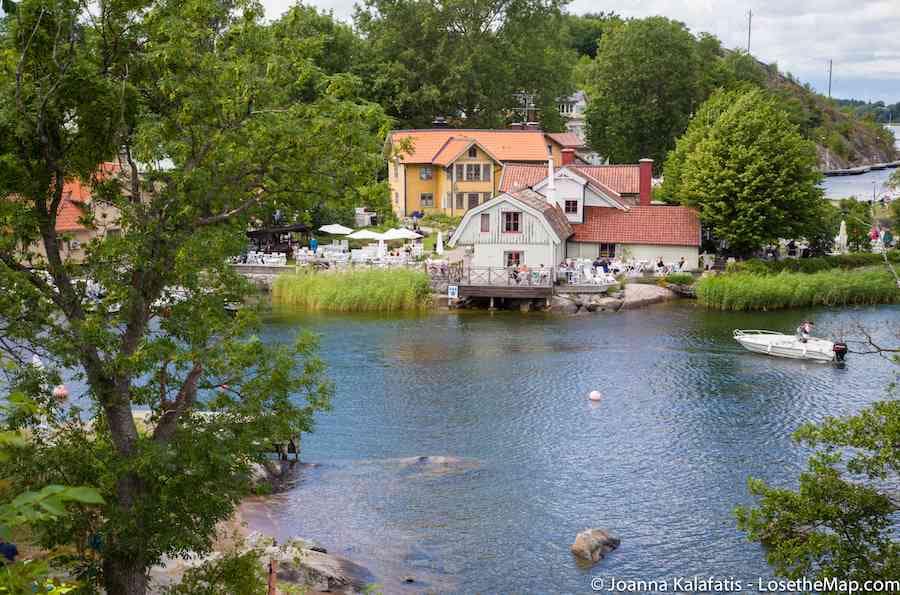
450 171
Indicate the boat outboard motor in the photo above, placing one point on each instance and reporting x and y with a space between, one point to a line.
840 351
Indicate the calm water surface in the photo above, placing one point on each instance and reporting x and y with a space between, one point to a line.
662 461
861 186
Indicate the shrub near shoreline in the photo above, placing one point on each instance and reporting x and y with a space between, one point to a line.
853 260
354 291
746 291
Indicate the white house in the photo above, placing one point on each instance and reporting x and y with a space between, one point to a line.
610 211
513 229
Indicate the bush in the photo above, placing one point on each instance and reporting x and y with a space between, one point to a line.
354 291
811 265
746 291
441 221
679 278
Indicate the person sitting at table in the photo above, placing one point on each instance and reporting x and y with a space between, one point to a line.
521 272
681 264
604 264
660 265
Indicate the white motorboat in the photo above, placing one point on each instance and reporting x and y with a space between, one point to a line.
790 346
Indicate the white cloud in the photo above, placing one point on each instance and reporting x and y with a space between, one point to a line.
862 37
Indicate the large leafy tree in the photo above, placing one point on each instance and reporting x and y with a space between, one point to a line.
643 86
465 60
211 120
747 170
840 522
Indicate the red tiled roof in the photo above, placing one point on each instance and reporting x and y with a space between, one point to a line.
622 179
75 198
654 224
568 140
613 179
505 145
517 176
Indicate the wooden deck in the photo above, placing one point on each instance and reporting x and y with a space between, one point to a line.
499 291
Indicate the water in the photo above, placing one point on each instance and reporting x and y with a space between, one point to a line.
863 185
662 460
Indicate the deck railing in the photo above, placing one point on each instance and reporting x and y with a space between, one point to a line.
501 277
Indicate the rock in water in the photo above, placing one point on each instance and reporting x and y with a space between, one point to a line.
594 544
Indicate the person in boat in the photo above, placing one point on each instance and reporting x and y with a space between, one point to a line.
804 331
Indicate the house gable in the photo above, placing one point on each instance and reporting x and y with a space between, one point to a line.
535 228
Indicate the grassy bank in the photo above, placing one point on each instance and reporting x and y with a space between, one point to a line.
746 291
812 265
355 291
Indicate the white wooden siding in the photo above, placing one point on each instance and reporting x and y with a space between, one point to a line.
533 230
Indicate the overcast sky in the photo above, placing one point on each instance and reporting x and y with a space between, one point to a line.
861 36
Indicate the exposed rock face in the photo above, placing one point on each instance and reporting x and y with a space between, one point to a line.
640 294
593 544
687 291
574 303
317 571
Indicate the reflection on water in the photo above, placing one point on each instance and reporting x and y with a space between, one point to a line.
662 460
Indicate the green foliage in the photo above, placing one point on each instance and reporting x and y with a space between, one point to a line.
230 119
679 278
840 522
233 572
811 265
858 217
586 30
747 171
441 221
746 291
642 89
894 211
370 290
462 60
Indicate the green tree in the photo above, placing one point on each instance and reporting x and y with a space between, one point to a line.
213 120
585 30
840 523
464 60
747 170
642 88
858 217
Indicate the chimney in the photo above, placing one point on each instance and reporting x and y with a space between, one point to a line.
646 181
568 156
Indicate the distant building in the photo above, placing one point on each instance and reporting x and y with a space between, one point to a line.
572 109
449 171
74 229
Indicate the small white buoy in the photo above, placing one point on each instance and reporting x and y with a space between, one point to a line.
60 392
595 395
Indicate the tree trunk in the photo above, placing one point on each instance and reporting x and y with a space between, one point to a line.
124 577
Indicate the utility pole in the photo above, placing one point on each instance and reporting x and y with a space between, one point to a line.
749 27
829 78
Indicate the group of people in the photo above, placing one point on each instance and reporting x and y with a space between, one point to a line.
522 273
661 266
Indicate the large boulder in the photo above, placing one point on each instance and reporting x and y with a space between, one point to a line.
317 571
592 545
562 303
638 295
602 303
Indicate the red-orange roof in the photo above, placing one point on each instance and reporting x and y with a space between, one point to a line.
568 140
75 197
613 179
505 145
641 224
622 179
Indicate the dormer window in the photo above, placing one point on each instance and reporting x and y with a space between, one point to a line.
571 207
473 152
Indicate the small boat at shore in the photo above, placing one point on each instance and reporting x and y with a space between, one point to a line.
790 346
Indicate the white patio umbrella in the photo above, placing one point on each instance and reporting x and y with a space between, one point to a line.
365 234
335 229
840 241
401 233
439 244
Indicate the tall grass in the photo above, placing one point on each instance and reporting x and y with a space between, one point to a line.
745 291
354 291
812 265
